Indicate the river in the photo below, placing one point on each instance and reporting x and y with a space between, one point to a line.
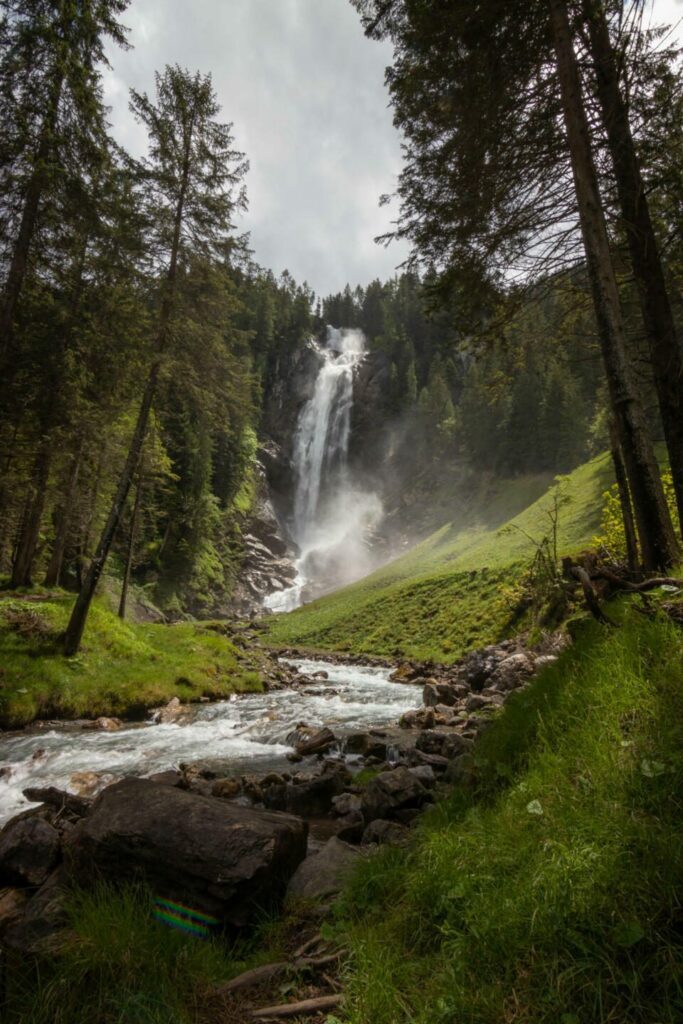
245 734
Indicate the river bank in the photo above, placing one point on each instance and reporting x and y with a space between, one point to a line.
552 781
123 668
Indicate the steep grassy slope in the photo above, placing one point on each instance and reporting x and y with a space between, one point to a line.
451 592
548 890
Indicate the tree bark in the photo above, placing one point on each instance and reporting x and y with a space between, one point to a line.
79 614
131 547
666 350
29 535
624 498
655 531
54 569
29 216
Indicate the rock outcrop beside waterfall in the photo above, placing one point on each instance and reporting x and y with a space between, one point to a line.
268 559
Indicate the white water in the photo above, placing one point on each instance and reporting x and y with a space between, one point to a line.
243 734
332 515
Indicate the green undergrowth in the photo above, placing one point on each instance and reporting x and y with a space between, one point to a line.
453 592
549 890
116 964
122 668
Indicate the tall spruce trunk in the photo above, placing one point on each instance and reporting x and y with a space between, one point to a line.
79 614
27 546
624 498
29 534
29 216
54 569
131 547
666 349
655 531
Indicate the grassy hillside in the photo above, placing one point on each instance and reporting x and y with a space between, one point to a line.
122 667
451 592
548 892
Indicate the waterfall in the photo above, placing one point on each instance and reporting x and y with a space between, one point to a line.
332 514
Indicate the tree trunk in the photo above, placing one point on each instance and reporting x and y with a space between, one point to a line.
666 351
29 535
624 498
5 501
655 531
74 630
54 569
131 548
29 216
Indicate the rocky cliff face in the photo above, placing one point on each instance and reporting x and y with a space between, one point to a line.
267 564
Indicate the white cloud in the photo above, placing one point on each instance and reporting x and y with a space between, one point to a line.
306 93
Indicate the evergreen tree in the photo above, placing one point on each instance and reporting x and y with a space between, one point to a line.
486 177
51 107
191 184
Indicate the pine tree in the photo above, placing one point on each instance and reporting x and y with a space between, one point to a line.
666 348
486 177
192 185
50 102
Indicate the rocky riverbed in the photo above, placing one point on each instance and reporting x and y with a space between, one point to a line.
288 793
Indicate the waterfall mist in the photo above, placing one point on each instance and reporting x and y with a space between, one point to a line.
333 514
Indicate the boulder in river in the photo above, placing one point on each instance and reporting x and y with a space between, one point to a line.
309 795
313 741
391 791
214 856
447 744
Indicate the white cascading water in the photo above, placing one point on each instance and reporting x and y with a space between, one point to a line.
332 515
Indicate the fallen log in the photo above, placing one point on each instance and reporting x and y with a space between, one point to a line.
266 972
302 1009
255 976
591 596
635 588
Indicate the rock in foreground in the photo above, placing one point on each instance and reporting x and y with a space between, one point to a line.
324 873
216 857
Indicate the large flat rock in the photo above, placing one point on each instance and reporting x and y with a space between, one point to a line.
214 856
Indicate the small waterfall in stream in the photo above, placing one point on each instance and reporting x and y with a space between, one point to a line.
332 514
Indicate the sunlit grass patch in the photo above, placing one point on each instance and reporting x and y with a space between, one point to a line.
451 593
122 667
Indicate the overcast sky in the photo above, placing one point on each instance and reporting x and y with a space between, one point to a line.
305 92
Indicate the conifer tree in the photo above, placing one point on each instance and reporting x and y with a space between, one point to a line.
192 186
51 108
666 347
477 90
